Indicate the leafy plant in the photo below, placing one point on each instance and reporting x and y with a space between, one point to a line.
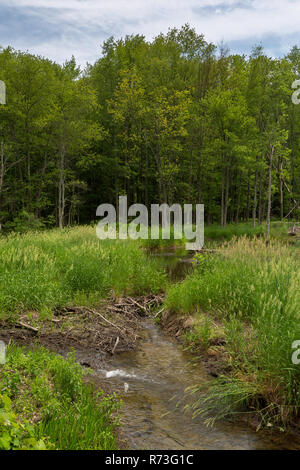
15 434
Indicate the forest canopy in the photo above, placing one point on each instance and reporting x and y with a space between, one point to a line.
175 119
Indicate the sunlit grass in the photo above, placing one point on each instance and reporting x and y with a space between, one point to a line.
255 291
48 392
214 232
42 270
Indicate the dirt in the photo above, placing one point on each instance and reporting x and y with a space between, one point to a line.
212 358
98 333
95 333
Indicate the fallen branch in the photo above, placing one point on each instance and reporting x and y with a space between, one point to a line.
103 318
28 327
115 309
160 311
295 207
139 305
116 344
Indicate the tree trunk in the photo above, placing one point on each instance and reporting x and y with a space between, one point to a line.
269 194
222 197
260 199
147 180
190 174
254 201
248 199
280 189
226 197
238 202
61 188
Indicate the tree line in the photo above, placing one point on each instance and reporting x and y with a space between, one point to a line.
175 119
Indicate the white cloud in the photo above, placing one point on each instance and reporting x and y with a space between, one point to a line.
80 26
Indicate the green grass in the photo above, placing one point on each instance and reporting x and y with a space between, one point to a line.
55 409
254 291
245 292
215 232
43 270
173 239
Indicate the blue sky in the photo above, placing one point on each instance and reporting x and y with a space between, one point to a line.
59 28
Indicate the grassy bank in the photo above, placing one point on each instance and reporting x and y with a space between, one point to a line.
216 233
43 270
43 400
44 404
246 296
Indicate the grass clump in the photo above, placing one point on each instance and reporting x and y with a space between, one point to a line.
204 333
42 270
55 409
255 291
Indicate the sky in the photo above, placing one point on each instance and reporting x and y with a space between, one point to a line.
59 28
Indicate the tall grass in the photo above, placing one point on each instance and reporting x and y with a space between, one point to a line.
42 270
47 391
255 291
214 232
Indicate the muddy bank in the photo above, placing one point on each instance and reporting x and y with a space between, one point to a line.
212 358
152 381
148 370
95 333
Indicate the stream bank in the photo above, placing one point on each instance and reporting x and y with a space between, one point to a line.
145 365
152 381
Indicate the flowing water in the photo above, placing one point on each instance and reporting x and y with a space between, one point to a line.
152 381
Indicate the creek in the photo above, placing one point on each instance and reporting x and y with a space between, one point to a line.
151 382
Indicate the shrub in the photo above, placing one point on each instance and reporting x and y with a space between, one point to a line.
15 434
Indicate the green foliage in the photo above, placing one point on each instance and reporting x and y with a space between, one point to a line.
87 424
40 271
201 335
25 222
218 233
167 120
254 291
48 391
15 434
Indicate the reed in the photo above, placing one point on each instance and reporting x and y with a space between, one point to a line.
254 291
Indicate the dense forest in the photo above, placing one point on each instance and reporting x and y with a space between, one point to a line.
175 119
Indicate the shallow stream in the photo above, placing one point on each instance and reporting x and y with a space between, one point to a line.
152 381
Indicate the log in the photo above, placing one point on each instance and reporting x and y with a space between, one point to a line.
294 231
